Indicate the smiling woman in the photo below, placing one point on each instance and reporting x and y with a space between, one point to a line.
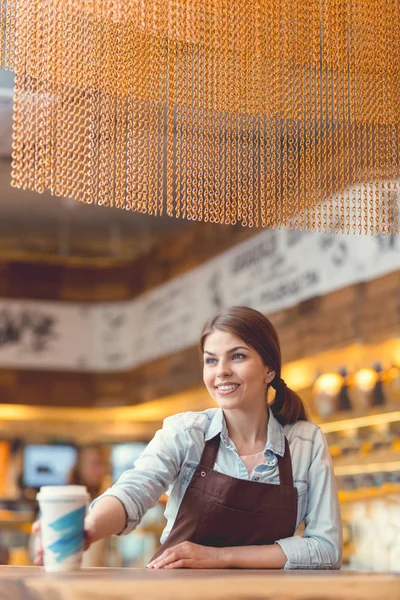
255 353
242 477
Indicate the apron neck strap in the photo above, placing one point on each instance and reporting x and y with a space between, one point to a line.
209 455
285 467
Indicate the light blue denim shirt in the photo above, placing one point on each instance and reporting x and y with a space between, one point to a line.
168 463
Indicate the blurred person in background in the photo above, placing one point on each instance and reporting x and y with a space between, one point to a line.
92 469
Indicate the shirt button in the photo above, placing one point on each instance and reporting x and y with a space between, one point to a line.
256 479
270 459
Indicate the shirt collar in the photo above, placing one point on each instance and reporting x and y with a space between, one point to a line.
275 435
218 425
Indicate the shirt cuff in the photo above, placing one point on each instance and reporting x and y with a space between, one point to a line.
297 554
130 508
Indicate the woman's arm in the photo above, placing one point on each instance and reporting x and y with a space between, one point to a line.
253 557
108 517
139 488
321 544
193 556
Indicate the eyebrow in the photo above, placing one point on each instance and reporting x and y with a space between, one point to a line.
229 351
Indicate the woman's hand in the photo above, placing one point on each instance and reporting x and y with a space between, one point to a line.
189 556
90 537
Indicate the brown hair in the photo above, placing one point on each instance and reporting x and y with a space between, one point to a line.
75 475
258 332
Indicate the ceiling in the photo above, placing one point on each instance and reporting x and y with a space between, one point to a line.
38 224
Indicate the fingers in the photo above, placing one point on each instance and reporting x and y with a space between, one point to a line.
166 557
36 527
38 560
89 535
172 556
87 542
158 563
183 563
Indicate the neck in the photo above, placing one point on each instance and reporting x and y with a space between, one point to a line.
248 428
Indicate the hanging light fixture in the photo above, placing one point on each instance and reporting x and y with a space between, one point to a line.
326 392
263 112
366 379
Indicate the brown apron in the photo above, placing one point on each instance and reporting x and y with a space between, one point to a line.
219 510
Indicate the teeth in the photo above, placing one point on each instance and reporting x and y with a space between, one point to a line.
227 388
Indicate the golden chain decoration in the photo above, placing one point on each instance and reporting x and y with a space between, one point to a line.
369 120
269 112
243 159
217 165
393 133
353 106
206 124
342 122
326 133
360 150
285 90
264 121
301 110
293 140
234 91
200 201
18 142
197 131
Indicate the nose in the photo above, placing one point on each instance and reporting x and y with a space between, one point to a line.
224 369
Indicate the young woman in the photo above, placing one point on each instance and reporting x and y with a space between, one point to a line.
91 469
241 477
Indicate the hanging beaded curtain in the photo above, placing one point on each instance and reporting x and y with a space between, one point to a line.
263 112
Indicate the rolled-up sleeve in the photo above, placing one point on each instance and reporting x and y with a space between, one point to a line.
139 488
321 544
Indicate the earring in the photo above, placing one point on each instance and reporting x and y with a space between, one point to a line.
269 378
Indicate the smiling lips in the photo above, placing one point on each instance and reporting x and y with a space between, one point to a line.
226 388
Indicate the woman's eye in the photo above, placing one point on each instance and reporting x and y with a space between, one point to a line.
210 361
238 355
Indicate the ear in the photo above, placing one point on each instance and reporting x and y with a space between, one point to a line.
269 375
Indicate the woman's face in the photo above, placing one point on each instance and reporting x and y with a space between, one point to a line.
234 373
93 466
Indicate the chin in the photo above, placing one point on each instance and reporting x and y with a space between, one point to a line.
227 404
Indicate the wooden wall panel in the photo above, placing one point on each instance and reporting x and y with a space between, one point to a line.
368 312
354 314
66 280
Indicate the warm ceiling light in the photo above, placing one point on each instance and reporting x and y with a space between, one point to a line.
365 379
328 383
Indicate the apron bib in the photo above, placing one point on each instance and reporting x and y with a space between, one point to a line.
219 510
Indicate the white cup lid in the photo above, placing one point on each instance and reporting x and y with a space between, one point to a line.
62 491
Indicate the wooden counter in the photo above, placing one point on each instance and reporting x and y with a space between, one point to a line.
31 583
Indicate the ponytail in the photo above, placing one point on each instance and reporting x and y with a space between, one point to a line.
287 406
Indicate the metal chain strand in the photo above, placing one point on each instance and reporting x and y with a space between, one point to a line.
269 112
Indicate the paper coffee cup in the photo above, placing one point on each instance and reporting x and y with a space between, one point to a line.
62 516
